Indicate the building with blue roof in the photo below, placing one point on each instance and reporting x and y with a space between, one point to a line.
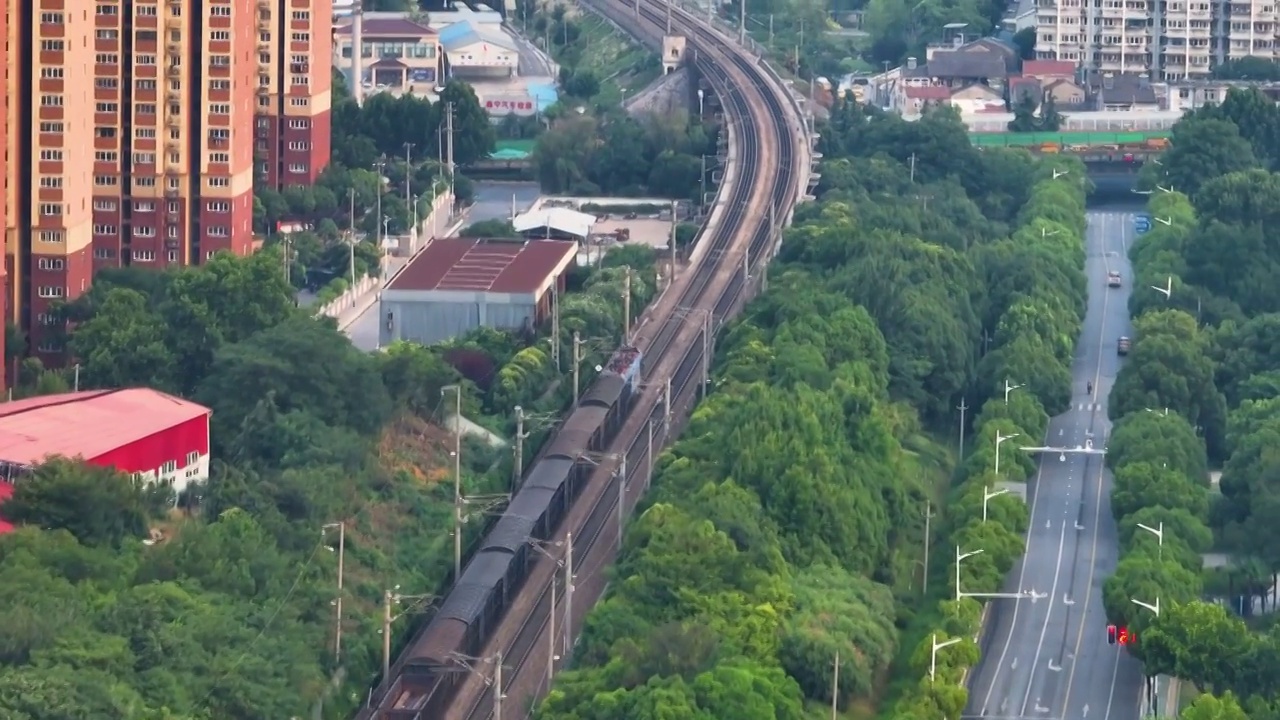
475 53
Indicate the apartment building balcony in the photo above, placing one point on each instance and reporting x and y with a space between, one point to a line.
173 120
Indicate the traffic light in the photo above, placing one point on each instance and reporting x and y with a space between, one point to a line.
1111 634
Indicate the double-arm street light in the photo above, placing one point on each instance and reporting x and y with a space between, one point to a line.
999 441
987 495
933 654
1158 531
341 527
959 557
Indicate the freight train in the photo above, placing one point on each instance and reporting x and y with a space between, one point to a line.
430 673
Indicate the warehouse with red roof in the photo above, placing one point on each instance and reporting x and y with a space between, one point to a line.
455 285
154 436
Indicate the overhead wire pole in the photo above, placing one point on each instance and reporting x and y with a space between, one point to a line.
674 224
497 686
577 363
742 22
457 479
835 685
342 553
568 591
626 306
928 518
519 449
555 324
408 184
962 408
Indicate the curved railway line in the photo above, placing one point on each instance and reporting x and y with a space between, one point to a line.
767 182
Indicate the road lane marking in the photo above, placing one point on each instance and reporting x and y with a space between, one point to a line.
1022 576
1044 629
1093 552
1066 599
1115 672
1053 668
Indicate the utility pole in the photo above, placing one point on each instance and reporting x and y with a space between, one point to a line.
666 406
457 479
448 129
342 554
648 466
555 325
928 518
497 687
674 223
706 351
386 635
380 165
621 472
668 17
568 590
351 230
913 168
519 457
408 186
551 634
577 363
77 378
702 196
835 690
742 22
962 408
626 306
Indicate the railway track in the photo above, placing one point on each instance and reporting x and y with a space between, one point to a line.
766 149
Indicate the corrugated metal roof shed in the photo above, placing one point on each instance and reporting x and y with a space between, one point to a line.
87 424
463 34
563 219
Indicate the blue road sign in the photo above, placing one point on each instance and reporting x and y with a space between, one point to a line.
1142 223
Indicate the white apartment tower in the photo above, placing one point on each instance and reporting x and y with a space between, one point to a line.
1168 39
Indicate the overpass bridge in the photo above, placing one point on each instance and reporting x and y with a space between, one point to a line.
1107 154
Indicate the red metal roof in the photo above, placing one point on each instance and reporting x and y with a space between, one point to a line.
6 491
87 424
480 265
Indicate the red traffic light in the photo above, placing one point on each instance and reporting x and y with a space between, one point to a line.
1111 634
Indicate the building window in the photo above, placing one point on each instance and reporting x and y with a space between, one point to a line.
106 180
108 9
219 84
107 156
301 15
169 466
53 182
298 102
297 124
173 256
50 236
219 231
105 205
220 60
144 231
298 80
145 133
50 127
52 45
49 346
219 35
146 108
219 182
105 83
296 145
106 58
103 253
192 458
145 59
219 134
107 34
219 206
104 132
144 158
144 182
174 206
47 319
171 231
51 291
297 168
54 155
220 11
145 84
218 157
146 9
300 37
104 107
45 263
144 206
51 73
51 209
51 100
104 230
144 255
219 109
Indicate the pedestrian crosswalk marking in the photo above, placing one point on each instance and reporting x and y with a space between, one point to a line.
1089 406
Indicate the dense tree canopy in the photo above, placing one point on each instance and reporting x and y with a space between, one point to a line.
1201 385
785 528
122 606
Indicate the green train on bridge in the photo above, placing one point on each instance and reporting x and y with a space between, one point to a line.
1057 141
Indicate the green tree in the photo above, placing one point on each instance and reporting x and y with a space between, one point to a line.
99 506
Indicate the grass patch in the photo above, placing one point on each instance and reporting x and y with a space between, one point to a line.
622 65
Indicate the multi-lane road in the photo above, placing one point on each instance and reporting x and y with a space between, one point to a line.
1048 658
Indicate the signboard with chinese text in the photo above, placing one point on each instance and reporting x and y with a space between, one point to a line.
517 104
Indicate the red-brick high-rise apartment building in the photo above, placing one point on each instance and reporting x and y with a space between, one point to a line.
131 134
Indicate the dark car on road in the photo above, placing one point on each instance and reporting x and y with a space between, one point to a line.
1122 346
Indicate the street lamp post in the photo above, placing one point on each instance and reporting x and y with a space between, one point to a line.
933 654
1158 531
1153 608
1008 388
337 603
999 441
961 556
986 497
